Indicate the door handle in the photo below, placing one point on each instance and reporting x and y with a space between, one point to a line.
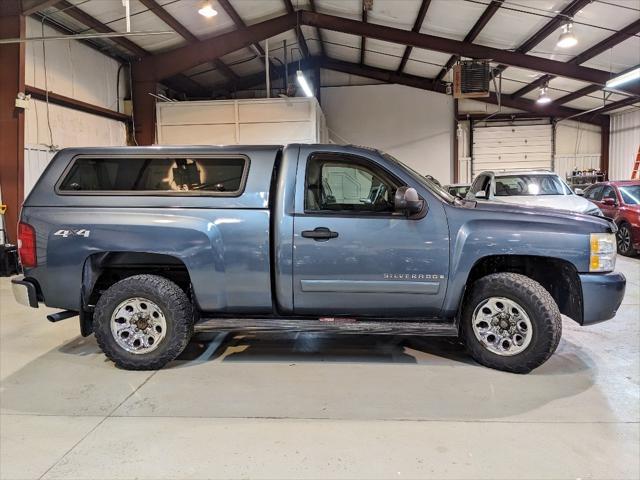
319 234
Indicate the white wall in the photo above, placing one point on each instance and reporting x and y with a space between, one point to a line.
77 71
73 70
624 144
413 125
577 145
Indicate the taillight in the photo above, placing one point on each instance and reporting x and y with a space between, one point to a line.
27 245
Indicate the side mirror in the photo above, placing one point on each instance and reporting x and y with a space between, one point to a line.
610 202
578 191
481 194
407 200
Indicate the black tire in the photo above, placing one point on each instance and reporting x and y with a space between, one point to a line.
625 245
538 304
176 308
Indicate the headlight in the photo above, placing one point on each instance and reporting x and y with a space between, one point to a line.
595 211
603 252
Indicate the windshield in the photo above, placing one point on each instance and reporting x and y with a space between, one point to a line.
435 188
630 194
530 185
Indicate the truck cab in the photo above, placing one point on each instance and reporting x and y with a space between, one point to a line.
145 244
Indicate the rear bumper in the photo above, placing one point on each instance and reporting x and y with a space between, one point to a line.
24 291
602 294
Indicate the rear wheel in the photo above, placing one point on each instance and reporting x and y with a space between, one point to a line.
623 239
143 322
510 322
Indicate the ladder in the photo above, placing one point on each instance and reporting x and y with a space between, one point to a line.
636 166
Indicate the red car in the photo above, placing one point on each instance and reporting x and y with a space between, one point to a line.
620 201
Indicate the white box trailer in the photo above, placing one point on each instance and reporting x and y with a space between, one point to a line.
271 121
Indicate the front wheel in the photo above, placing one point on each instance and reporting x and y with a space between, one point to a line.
623 237
510 322
143 322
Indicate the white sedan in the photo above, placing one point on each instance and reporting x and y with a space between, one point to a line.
534 188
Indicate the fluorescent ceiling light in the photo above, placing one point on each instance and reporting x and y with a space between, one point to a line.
543 98
304 84
567 39
208 11
624 78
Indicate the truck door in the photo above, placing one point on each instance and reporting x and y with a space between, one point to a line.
353 254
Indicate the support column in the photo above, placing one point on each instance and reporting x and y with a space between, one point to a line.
12 25
605 134
144 106
456 142
317 82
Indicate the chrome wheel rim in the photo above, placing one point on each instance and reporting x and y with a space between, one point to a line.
138 325
502 326
624 239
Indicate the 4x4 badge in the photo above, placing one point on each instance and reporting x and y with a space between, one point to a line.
70 233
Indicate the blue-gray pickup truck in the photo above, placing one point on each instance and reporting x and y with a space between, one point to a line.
146 244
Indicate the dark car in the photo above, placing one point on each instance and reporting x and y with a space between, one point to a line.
620 201
458 190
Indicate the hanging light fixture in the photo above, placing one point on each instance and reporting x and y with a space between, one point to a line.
567 38
208 11
543 97
302 81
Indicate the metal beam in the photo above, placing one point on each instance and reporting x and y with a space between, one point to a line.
487 15
302 43
167 64
363 39
144 108
86 19
12 25
257 78
239 23
615 105
29 7
312 5
388 76
180 82
549 110
568 12
184 32
57 99
417 26
457 47
552 25
577 94
605 138
609 42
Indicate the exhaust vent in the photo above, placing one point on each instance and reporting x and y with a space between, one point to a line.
471 79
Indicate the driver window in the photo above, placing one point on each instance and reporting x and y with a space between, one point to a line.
608 193
352 186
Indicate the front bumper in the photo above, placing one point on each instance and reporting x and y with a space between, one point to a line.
602 294
24 291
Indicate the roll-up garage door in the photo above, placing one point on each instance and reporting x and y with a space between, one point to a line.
512 147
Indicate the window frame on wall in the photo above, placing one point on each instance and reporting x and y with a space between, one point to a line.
155 193
351 160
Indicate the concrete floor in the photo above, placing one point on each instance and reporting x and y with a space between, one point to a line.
308 406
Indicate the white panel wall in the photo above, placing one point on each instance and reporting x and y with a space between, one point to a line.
250 122
73 69
577 145
76 71
624 144
413 125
